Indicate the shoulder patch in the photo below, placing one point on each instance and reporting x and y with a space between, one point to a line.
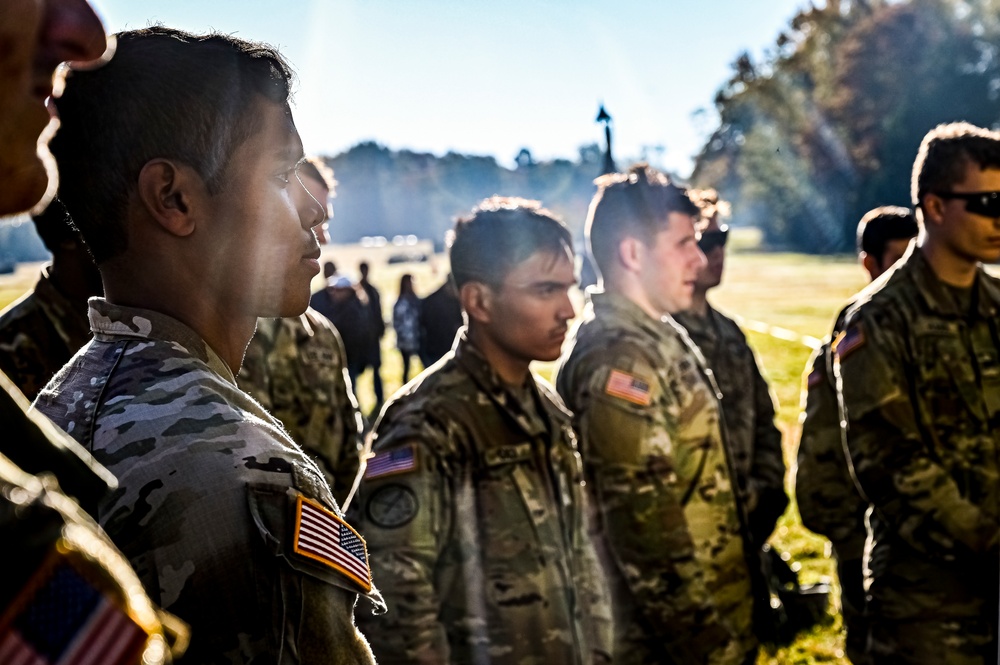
60 616
628 387
392 462
322 536
849 341
392 506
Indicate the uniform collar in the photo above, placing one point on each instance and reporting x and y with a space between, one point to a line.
486 378
935 293
611 306
114 322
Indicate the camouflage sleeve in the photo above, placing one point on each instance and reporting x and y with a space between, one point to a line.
893 463
629 465
767 473
346 466
828 501
404 508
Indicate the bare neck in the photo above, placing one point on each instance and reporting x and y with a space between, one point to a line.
699 303
948 267
177 295
630 289
512 370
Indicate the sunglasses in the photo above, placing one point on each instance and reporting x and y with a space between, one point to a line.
979 203
709 240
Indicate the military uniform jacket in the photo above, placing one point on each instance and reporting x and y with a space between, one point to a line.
656 467
38 334
828 500
748 411
921 389
228 523
297 369
475 516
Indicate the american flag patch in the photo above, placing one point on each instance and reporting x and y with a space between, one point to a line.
60 618
322 536
849 341
392 462
628 387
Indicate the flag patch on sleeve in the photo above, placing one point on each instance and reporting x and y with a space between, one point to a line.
628 387
392 462
60 617
324 537
849 341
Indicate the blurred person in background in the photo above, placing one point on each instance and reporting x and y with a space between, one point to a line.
372 355
828 500
406 323
440 319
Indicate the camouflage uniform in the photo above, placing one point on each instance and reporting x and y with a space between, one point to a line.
671 534
828 500
920 382
38 334
474 511
296 368
58 562
748 411
216 503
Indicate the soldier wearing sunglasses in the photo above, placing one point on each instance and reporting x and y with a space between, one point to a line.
747 405
919 371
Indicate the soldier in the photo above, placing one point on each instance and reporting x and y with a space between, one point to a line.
178 163
297 369
372 353
56 560
919 377
43 329
747 404
648 415
828 501
473 503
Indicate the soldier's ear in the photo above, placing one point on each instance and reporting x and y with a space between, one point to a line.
167 192
477 301
630 251
932 207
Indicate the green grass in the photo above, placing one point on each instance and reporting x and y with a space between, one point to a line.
795 292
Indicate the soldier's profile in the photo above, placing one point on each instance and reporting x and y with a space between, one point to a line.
473 503
178 163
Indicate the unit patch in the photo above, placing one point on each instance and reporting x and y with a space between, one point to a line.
322 536
392 506
392 462
628 387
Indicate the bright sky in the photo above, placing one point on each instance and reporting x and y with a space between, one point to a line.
490 78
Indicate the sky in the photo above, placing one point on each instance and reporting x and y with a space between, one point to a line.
490 78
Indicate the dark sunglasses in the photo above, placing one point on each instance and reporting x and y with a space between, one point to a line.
980 203
709 240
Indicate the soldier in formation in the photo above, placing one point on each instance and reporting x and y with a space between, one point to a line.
228 522
828 501
919 377
670 524
473 503
747 405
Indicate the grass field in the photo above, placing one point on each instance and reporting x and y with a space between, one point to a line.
795 292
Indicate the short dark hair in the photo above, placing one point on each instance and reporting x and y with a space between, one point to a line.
883 224
631 204
165 94
316 168
945 153
500 233
54 226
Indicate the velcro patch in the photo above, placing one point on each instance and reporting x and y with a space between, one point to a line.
628 387
849 341
392 462
60 617
322 536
